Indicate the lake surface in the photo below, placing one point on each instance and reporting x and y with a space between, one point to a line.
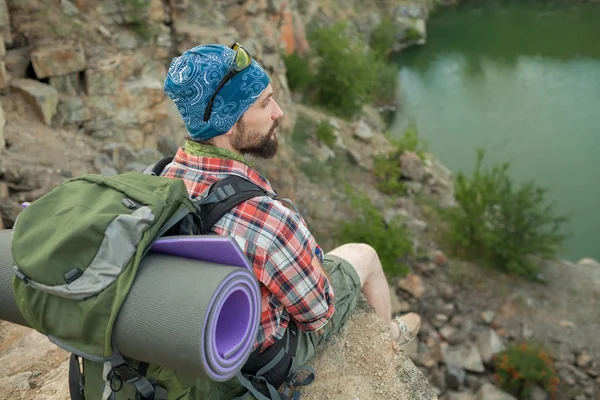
521 80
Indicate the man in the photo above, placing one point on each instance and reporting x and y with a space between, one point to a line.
227 104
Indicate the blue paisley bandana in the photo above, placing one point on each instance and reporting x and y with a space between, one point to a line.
192 79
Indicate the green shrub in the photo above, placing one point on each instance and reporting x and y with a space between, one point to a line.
391 241
411 141
298 72
347 73
383 37
496 222
386 84
325 133
387 167
389 175
521 366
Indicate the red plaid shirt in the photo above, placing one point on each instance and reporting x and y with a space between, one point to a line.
275 240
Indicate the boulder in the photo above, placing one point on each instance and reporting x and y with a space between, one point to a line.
363 131
491 392
360 362
2 123
489 344
102 78
6 35
412 166
43 98
3 75
465 355
56 60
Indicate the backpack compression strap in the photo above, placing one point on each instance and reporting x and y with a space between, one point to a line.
223 196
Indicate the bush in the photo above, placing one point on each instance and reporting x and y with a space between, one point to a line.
391 241
411 141
383 37
342 73
521 366
325 133
298 73
387 167
502 224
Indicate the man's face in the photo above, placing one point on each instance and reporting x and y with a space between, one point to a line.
255 132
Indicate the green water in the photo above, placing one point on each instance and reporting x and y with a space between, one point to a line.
521 80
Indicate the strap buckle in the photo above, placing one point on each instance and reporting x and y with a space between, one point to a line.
127 373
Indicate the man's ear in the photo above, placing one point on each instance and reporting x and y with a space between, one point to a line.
231 131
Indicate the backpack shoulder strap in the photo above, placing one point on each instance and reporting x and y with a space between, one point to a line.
157 167
224 195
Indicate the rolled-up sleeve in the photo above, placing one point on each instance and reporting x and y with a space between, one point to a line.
289 274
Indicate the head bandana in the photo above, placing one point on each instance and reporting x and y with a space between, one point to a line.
192 79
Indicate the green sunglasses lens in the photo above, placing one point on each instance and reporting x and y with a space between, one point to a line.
242 60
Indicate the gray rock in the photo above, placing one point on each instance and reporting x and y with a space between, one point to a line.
491 392
455 376
537 393
414 188
42 97
323 153
363 131
72 110
4 78
410 11
416 225
148 156
472 381
127 40
60 59
120 12
103 161
102 78
68 8
2 124
458 396
69 83
354 157
465 355
489 344
108 171
5 22
167 146
412 166
135 166
121 154
488 316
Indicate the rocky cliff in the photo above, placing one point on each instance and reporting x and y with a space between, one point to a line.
81 91
81 86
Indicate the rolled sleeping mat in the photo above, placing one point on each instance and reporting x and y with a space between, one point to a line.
196 317
8 306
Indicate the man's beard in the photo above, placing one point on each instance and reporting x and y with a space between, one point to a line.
253 143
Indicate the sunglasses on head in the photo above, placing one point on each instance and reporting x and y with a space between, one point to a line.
240 62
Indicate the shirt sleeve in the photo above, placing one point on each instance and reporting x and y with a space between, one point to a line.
305 293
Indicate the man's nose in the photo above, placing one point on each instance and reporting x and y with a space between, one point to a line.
277 112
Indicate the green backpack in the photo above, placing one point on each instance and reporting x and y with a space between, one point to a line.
77 250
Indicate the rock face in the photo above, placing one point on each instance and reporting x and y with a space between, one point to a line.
43 98
31 367
361 363
58 60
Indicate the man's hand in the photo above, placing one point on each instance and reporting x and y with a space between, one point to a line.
318 267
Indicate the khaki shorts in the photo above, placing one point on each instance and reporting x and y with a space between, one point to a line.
346 287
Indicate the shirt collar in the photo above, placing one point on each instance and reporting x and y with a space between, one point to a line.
214 160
